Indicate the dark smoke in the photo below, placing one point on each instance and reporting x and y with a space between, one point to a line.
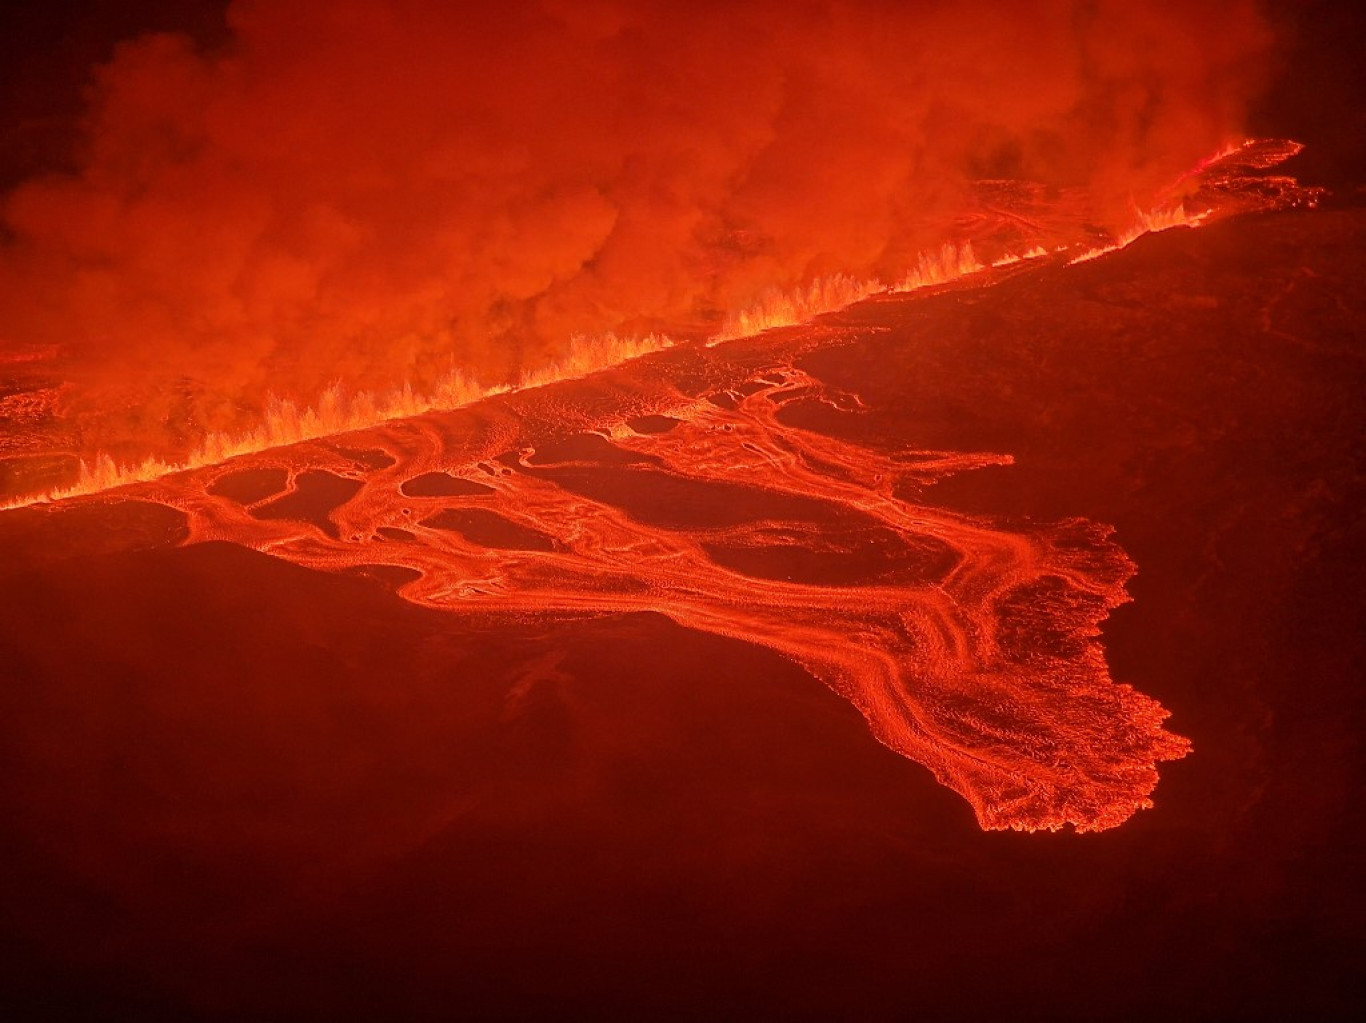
379 191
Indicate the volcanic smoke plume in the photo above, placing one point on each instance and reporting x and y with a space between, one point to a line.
389 192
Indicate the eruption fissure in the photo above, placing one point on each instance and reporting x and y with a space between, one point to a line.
381 191
287 422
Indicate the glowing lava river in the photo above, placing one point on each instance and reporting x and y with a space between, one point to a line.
687 484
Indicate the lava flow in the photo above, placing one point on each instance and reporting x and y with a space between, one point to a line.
697 488
968 647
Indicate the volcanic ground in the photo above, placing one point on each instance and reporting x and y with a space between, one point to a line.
716 683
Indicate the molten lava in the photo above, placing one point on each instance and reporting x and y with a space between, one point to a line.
968 647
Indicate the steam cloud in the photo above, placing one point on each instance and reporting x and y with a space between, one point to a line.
379 191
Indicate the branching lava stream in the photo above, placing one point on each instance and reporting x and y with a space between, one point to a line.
968 647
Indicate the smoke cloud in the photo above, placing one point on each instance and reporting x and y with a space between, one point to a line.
381 191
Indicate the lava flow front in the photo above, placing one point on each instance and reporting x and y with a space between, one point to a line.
968 647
